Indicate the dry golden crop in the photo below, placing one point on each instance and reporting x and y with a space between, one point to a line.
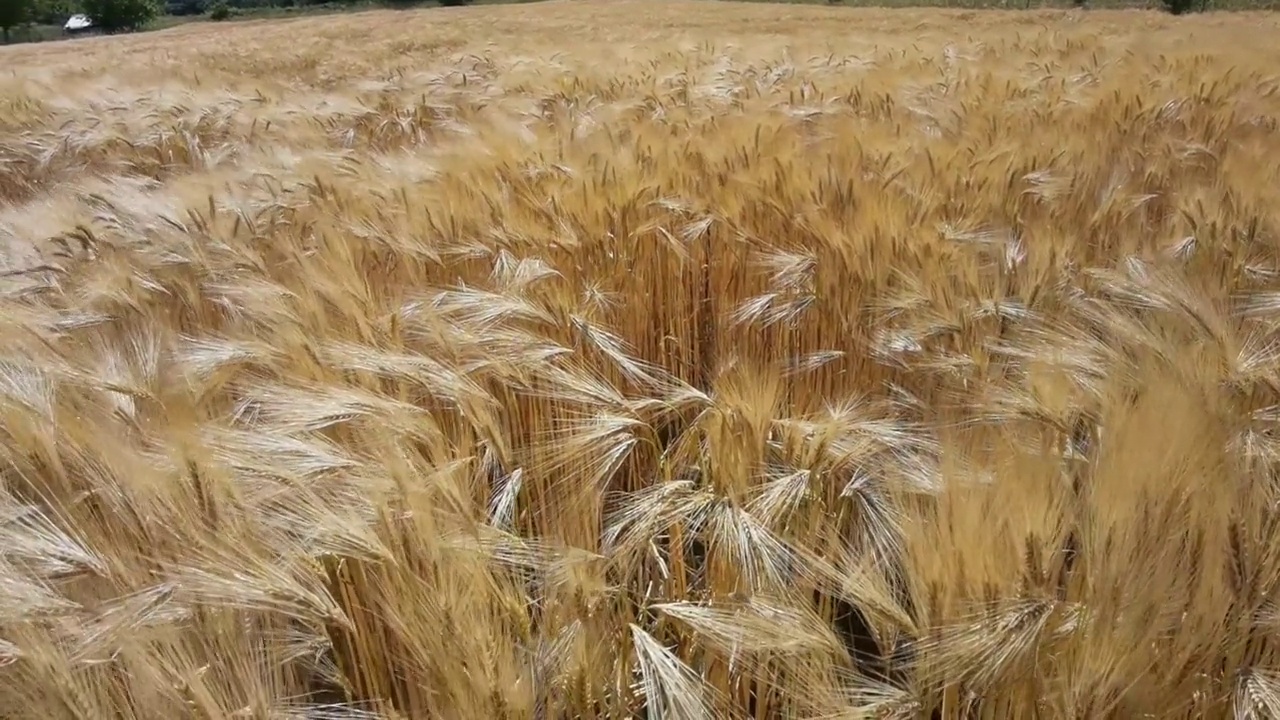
612 359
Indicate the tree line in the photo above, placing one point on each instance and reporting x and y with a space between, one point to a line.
124 15
107 15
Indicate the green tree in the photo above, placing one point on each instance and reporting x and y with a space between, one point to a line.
115 15
14 13
53 12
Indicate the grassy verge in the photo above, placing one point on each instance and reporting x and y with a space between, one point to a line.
45 33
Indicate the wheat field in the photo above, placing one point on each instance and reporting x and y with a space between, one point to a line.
644 358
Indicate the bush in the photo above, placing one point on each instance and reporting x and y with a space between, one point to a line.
1180 7
454 3
184 7
220 11
116 15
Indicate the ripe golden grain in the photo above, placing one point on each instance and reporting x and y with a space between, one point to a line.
602 359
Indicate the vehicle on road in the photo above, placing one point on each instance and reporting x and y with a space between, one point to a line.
78 25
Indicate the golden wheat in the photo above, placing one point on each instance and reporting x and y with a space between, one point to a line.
689 360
